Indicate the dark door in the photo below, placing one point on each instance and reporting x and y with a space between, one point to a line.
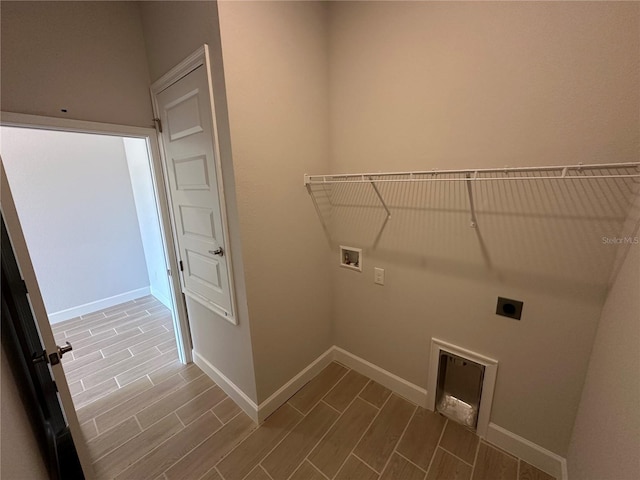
29 363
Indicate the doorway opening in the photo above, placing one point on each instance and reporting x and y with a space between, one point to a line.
88 206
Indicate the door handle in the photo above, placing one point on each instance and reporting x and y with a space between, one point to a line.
62 350
218 251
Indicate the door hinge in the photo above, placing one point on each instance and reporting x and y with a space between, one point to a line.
158 123
181 267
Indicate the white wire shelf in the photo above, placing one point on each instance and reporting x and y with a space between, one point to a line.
555 172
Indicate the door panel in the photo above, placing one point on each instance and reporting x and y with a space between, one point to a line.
185 108
26 326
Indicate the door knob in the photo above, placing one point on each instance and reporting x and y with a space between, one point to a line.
219 251
62 350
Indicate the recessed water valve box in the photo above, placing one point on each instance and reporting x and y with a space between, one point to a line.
509 308
351 257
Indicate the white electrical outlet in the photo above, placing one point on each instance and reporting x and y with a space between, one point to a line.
378 275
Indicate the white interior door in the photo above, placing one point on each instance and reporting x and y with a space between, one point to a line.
195 187
42 321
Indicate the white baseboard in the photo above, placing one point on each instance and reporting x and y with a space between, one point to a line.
285 392
91 307
163 299
536 455
528 451
408 390
230 388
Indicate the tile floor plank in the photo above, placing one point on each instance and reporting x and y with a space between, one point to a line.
75 388
88 339
131 342
312 392
381 438
114 399
192 410
204 457
167 371
306 471
120 323
155 337
355 469
329 455
189 372
89 430
115 368
126 454
174 400
346 390
400 468
87 396
420 440
529 472
393 438
226 410
87 324
143 368
258 474
123 338
460 441
92 323
448 467
261 441
113 438
375 394
139 402
286 457
94 368
492 464
167 345
172 450
77 337
77 363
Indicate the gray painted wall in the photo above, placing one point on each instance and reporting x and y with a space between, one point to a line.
77 211
172 31
148 221
606 436
424 85
85 57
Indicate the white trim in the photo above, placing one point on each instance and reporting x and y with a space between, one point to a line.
96 305
184 68
180 319
408 390
230 388
181 322
285 392
24 120
163 299
200 58
528 451
488 383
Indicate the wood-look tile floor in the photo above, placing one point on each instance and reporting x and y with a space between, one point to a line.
146 416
